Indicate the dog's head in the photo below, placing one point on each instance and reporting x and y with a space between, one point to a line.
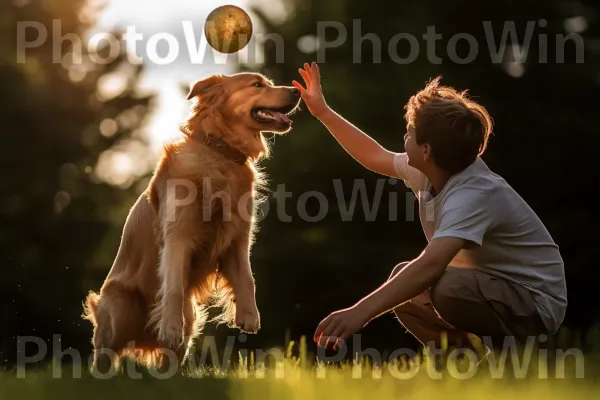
249 101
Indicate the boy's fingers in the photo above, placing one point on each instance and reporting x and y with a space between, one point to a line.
328 330
307 69
299 87
333 338
306 78
317 75
321 328
329 337
323 341
297 84
302 72
340 340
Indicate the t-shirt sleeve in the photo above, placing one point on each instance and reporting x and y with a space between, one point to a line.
467 214
411 176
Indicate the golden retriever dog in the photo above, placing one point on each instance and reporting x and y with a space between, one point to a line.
186 241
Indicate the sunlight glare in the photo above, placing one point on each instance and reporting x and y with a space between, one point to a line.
164 81
169 82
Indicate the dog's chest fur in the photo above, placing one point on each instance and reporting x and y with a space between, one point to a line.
220 210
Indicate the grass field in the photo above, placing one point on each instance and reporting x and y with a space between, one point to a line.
299 377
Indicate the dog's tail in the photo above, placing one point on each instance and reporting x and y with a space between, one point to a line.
90 307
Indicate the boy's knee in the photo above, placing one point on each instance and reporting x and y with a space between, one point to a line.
441 291
458 300
398 268
418 305
448 292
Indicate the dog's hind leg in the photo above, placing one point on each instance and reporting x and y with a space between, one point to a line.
120 316
103 359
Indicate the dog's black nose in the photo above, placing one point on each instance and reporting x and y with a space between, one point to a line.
295 92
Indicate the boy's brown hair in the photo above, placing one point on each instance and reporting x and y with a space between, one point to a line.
456 127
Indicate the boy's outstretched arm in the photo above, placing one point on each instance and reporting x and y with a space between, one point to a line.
358 144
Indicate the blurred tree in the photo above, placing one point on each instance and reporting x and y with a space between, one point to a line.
545 138
59 219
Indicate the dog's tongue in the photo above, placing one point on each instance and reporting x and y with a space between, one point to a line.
280 117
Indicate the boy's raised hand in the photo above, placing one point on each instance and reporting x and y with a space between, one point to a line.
312 94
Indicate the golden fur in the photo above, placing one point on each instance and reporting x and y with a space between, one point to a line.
187 239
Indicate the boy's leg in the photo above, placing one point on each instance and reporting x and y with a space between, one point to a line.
467 300
420 318
494 309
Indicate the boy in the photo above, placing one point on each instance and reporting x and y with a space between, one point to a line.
490 268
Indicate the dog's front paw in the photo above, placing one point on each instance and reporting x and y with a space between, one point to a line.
170 333
247 319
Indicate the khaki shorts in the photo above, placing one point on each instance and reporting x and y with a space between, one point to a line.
471 301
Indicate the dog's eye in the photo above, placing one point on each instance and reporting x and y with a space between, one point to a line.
258 84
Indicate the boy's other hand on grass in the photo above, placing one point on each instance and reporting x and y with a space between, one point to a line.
339 326
312 94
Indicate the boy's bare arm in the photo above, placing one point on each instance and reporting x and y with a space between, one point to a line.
358 144
412 280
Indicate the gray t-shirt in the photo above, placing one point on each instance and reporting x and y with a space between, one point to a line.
512 243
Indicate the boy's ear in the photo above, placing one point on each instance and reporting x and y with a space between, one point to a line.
209 90
426 152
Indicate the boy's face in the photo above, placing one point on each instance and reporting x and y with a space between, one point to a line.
411 147
418 155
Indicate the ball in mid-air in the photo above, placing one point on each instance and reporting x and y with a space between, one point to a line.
228 29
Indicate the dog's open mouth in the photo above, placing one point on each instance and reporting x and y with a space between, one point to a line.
273 115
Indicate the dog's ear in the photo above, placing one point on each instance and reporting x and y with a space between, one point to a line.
209 90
